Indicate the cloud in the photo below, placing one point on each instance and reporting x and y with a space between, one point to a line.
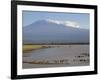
65 23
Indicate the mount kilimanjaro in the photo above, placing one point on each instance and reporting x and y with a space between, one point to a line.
45 32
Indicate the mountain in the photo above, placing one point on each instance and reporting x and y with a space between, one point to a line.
44 31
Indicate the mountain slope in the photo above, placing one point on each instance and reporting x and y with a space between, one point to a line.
47 32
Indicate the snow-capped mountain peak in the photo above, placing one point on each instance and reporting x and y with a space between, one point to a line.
65 23
46 31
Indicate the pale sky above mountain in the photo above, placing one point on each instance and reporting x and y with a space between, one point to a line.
68 19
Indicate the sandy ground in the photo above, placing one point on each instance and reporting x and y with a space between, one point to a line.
57 56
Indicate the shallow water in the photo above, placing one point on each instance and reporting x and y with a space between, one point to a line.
72 55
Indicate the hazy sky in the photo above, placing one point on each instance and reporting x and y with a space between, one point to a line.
29 17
